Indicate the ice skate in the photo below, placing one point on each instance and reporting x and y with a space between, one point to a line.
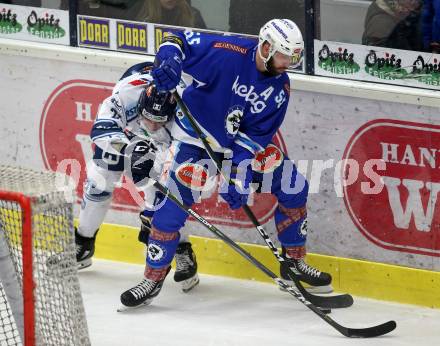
144 292
319 282
85 248
186 267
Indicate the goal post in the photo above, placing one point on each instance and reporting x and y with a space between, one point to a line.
38 258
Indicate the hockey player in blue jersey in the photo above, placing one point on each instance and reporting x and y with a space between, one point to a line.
134 117
239 97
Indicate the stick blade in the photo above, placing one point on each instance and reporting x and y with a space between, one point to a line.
331 302
370 332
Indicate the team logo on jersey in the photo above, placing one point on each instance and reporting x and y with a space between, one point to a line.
156 252
192 175
268 160
233 120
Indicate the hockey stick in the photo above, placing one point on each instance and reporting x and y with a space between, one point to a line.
339 301
369 332
326 302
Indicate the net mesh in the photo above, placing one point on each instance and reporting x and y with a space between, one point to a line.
8 330
59 312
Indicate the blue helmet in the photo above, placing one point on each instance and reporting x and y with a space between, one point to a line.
156 106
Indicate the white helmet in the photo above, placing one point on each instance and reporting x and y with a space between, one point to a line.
285 37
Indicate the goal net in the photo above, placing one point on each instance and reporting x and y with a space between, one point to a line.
40 296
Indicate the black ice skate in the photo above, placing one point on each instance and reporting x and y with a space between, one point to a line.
186 267
85 248
320 281
144 292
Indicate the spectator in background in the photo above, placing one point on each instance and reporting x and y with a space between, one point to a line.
431 25
248 16
393 24
171 12
119 9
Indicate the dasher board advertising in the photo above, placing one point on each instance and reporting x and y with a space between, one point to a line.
34 24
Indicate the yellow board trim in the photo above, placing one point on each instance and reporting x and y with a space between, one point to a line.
360 278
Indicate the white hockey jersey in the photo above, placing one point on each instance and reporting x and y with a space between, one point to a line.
118 122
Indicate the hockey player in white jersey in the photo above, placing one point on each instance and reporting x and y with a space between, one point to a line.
136 115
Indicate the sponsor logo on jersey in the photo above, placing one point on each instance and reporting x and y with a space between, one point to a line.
257 100
231 46
395 204
268 160
233 120
192 175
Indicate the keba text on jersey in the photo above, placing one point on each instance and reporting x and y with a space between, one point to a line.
249 95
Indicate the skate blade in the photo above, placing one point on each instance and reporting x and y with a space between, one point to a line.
188 285
124 308
84 264
311 289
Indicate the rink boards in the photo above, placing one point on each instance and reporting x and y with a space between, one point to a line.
369 152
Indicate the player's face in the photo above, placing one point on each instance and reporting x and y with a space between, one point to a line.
281 62
150 125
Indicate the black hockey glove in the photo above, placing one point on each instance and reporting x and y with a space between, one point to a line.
142 159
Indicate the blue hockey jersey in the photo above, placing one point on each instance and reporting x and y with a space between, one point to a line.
230 99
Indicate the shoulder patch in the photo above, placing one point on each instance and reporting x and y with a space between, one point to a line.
231 46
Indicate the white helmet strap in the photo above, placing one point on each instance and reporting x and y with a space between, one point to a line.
270 55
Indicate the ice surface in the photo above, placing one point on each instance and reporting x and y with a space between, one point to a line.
229 312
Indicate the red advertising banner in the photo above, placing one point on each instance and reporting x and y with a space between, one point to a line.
65 126
394 200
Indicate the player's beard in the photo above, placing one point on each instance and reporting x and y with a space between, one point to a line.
270 69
